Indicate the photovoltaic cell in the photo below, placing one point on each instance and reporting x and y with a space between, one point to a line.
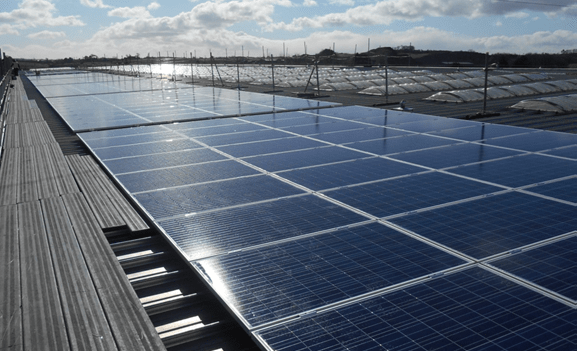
322 127
434 125
296 119
400 144
122 132
303 158
202 197
348 173
277 281
469 310
493 225
552 266
163 160
454 155
218 130
269 146
184 175
519 171
480 131
145 149
536 141
564 190
133 139
411 193
218 232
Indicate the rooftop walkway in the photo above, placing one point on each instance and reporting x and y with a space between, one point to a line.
61 286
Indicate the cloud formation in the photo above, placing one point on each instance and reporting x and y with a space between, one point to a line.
130 12
35 13
46 34
94 4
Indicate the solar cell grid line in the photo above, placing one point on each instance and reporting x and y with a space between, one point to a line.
430 125
569 152
182 176
221 231
309 273
565 190
479 131
239 138
123 132
132 139
469 310
405 194
518 171
220 130
398 144
491 225
117 152
550 265
219 194
349 172
265 147
537 141
178 158
302 158
364 134
454 155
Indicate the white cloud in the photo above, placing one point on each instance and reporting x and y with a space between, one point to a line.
6 29
46 34
94 4
517 15
499 24
310 3
342 2
153 6
130 12
33 13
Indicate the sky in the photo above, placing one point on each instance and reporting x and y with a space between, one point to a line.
38 29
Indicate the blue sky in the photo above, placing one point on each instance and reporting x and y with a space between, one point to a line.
76 28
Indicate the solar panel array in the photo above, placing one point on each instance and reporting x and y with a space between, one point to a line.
357 229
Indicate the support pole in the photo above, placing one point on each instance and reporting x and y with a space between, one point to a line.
386 78
272 65
191 70
486 80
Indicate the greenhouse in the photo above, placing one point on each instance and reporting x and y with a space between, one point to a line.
559 104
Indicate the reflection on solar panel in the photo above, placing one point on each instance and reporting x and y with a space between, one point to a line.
350 227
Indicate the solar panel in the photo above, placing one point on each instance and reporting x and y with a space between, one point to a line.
569 152
145 149
133 139
269 146
400 144
520 170
480 131
277 281
348 173
454 155
550 266
349 136
535 141
492 225
246 137
469 310
219 232
405 194
563 190
195 198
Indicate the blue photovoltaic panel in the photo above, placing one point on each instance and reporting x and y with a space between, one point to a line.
536 141
348 173
219 130
350 136
394 119
202 197
280 280
323 127
295 119
133 139
246 137
270 146
469 310
217 232
122 132
162 160
207 123
183 175
519 171
552 266
493 225
411 193
480 131
454 155
145 149
563 190
400 144
303 158
271 118
569 152
434 125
